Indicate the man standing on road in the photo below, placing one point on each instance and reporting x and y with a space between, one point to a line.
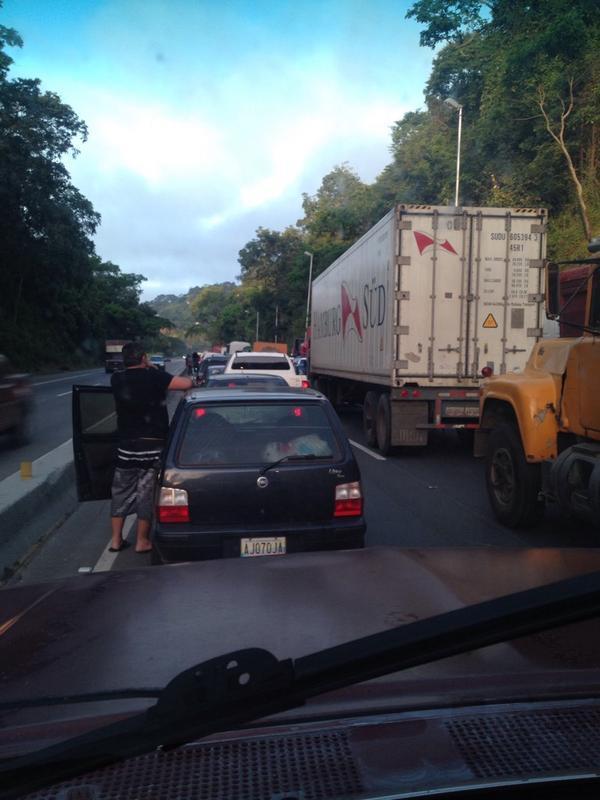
140 392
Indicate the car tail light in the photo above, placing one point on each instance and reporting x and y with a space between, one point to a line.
305 384
200 412
173 506
487 372
348 500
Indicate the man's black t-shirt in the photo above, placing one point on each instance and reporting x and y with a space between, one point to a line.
142 417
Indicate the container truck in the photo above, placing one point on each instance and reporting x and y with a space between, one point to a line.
238 347
430 300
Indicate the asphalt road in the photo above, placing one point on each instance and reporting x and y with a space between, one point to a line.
425 497
436 497
51 418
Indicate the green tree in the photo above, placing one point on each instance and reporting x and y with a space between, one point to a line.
57 300
527 75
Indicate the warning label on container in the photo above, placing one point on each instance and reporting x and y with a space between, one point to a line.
490 322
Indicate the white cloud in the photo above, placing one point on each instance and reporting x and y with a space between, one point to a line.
208 120
159 144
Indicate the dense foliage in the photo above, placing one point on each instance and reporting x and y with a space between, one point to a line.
58 300
528 77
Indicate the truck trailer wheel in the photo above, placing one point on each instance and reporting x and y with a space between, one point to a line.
384 424
513 484
370 418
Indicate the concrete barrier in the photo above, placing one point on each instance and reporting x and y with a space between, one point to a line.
30 508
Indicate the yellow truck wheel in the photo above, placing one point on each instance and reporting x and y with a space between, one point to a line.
513 484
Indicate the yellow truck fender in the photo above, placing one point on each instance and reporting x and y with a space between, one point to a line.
530 400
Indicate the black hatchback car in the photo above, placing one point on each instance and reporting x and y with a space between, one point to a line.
256 473
245 473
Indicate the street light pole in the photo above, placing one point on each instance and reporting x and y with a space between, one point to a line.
310 255
457 107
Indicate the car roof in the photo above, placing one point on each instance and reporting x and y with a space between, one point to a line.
260 354
256 395
260 376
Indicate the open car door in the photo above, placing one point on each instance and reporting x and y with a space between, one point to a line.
94 440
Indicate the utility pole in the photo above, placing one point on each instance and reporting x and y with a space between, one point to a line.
310 255
449 101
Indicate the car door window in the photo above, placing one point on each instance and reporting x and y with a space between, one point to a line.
94 440
98 414
595 308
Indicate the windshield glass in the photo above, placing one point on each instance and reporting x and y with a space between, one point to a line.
256 433
257 381
348 203
265 362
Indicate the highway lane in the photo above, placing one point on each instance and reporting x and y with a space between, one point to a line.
50 422
419 497
436 497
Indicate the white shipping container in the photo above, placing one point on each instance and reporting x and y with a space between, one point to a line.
431 295
412 316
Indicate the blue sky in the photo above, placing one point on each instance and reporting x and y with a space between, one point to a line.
209 119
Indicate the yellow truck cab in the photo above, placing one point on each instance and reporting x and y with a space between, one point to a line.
540 428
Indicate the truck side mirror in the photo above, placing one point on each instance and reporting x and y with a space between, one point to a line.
594 245
552 290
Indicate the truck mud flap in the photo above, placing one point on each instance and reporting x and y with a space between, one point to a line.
406 416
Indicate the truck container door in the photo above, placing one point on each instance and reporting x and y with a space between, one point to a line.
431 280
505 290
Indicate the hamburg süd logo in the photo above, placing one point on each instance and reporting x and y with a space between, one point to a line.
350 314
425 241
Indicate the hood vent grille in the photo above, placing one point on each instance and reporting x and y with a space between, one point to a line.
497 746
301 767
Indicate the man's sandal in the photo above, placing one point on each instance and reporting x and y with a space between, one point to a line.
123 546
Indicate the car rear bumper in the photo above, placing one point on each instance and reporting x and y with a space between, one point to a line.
190 545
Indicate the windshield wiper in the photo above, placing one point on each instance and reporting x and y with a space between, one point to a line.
223 692
292 457
84 697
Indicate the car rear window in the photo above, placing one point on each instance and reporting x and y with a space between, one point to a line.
260 363
256 433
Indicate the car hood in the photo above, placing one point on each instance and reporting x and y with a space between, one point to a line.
139 628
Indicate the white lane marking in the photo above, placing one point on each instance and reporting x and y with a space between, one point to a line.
64 394
107 559
66 378
366 450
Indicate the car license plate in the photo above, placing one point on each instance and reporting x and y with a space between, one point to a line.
461 411
263 546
